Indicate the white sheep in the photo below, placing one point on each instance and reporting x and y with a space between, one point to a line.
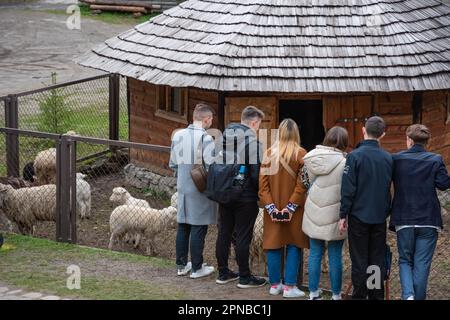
45 167
142 221
83 196
256 247
122 197
26 206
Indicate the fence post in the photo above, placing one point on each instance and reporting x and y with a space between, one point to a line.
12 140
114 105
73 186
65 199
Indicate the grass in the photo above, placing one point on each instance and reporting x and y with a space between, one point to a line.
108 17
40 265
92 120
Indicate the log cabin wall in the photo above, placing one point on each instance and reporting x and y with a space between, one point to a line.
146 127
348 111
435 111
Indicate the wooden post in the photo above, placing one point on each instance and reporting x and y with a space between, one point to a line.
12 140
114 108
65 191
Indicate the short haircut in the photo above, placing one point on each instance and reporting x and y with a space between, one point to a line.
201 111
419 133
375 127
251 113
337 137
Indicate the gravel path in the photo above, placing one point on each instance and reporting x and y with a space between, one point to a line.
35 43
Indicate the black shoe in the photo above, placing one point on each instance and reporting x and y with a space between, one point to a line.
251 282
226 277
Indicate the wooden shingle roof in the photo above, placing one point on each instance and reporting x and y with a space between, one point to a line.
287 46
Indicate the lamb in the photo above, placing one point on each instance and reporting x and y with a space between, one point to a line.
45 166
83 196
26 206
141 220
256 247
122 197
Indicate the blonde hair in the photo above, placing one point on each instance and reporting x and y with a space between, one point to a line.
288 142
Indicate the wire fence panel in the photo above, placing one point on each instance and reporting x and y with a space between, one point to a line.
122 205
28 203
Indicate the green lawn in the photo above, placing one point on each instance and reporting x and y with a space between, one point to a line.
40 265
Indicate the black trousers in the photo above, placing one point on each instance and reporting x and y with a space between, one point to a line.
239 218
367 245
194 237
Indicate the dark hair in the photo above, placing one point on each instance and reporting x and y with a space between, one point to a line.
336 137
375 127
251 113
202 110
419 133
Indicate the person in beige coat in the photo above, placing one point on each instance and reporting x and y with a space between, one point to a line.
324 166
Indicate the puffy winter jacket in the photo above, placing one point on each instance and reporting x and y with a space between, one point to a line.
325 166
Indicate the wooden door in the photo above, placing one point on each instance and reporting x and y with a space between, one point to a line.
235 105
348 112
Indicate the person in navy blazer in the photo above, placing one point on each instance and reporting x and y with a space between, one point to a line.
416 211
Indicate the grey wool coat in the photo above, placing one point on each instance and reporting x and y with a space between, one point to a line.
193 206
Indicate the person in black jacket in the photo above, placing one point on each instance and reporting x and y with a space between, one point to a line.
241 145
416 211
365 204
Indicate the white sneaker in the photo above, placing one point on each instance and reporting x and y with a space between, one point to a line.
336 296
276 289
185 270
203 272
315 295
293 292
410 298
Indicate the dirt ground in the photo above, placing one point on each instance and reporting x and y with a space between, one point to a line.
35 43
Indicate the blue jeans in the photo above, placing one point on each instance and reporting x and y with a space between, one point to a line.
294 256
415 249
196 235
315 264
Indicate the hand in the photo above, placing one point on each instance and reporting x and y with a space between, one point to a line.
343 225
273 215
289 212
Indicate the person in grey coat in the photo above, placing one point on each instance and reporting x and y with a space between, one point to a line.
195 210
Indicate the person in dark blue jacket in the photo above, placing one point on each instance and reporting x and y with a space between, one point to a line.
365 204
416 211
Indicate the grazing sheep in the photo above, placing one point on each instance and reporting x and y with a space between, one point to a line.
45 166
141 220
26 206
83 196
122 197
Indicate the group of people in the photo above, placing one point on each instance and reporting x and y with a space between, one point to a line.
313 200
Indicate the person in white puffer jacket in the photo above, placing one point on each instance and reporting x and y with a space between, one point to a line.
324 167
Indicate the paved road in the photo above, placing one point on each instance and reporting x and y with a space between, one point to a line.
35 43
10 293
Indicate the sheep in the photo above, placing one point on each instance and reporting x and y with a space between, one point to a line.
141 220
28 173
83 196
256 247
26 206
45 166
122 197
15 182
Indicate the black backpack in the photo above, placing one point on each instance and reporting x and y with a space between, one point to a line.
219 184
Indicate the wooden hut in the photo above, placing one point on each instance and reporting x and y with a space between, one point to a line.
321 62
